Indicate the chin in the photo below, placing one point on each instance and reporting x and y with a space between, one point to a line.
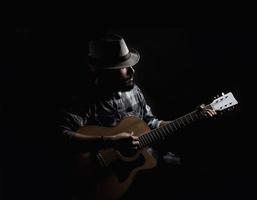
127 87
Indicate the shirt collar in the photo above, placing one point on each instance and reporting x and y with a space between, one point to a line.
117 94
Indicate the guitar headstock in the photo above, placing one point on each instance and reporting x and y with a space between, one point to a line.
224 102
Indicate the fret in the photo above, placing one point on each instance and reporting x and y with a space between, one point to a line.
184 121
162 134
187 119
174 125
154 135
166 129
190 114
151 138
170 127
181 119
196 116
145 137
142 140
158 133
179 125
199 115
147 142
141 143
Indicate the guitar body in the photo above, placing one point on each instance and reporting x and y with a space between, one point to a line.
109 173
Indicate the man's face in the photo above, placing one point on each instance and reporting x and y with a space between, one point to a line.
117 79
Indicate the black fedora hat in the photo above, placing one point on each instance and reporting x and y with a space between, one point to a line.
109 51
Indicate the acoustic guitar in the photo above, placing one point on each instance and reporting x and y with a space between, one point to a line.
110 172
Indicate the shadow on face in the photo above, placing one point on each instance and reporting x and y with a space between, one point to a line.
116 79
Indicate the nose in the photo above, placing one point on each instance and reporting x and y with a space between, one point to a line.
131 70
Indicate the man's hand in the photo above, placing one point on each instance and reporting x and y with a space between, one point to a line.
163 123
123 141
206 111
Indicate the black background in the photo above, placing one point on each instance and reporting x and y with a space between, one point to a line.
181 66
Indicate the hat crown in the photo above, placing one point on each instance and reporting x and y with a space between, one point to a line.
111 52
108 47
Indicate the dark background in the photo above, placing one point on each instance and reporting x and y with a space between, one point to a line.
42 64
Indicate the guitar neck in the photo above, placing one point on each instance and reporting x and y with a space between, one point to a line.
161 133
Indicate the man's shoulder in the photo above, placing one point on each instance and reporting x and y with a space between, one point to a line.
137 89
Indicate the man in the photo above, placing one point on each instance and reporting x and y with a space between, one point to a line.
111 96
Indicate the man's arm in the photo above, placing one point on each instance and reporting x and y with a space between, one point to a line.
205 111
84 143
68 126
151 120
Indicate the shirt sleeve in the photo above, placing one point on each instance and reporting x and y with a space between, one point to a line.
68 124
151 120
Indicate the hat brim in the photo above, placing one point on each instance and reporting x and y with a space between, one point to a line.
131 61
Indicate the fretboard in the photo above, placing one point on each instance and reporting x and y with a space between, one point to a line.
161 133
